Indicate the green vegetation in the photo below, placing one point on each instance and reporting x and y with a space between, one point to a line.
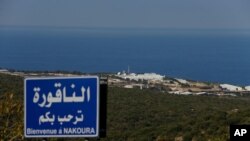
146 115
11 84
11 107
135 114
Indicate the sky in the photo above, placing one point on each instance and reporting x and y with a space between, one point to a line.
176 14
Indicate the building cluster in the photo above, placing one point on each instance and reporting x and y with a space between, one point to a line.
144 76
153 81
174 85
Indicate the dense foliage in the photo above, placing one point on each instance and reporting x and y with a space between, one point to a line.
11 107
147 115
11 84
135 114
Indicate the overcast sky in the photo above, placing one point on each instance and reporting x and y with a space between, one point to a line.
205 14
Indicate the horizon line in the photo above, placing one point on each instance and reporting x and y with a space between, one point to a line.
122 28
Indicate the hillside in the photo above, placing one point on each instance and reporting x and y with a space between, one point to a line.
135 114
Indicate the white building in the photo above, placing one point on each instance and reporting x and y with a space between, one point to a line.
145 76
182 81
247 88
230 87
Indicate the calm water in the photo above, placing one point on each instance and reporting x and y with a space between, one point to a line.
208 56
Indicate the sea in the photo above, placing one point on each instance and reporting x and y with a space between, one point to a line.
212 55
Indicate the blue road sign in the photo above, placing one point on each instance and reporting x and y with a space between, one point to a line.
61 107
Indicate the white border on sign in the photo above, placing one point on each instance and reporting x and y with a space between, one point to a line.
63 77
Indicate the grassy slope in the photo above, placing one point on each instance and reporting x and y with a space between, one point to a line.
141 115
146 115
